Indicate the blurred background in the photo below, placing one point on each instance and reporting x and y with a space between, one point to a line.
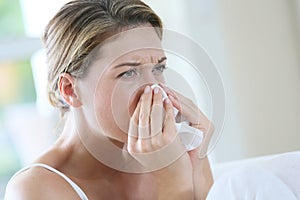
255 46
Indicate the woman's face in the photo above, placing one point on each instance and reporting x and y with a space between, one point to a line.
111 89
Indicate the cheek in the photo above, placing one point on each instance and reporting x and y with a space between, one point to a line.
133 100
120 107
102 109
124 101
115 104
112 108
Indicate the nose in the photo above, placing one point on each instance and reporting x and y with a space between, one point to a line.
149 79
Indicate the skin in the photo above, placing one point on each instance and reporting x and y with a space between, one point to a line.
136 127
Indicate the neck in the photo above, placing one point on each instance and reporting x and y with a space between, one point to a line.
93 151
76 158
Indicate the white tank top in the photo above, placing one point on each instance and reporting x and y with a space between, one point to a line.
77 189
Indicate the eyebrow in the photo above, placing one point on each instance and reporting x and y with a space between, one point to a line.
134 64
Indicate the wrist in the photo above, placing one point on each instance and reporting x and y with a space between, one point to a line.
176 180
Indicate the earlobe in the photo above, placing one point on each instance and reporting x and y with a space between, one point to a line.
66 85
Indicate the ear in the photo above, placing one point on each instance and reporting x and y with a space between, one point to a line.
66 85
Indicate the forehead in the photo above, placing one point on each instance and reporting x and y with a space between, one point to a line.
138 42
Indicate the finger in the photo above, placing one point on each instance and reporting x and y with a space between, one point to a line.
156 120
144 116
176 103
133 128
173 95
169 128
186 107
167 90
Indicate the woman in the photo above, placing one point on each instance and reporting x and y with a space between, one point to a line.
103 56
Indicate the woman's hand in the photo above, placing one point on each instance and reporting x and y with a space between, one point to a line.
148 130
154 142
191 113
202 176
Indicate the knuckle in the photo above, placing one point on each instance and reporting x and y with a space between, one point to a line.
133 122
211 127
155 131
131 148
144 146
207 127
144 117
156 108
168 139
190 102
169 116
157 144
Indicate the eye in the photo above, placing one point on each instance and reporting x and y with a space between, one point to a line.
128 74
159 69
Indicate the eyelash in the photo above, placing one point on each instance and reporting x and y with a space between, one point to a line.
126 72
160 68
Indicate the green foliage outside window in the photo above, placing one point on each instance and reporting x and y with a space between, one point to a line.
10 19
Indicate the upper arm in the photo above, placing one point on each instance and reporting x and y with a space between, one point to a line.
23 187
38 184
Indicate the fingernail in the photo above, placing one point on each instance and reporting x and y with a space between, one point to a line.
147 89
167 100
171 97
156 90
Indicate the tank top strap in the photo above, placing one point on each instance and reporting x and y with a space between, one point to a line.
77 189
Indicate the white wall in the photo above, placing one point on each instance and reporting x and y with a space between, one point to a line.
263 58
254 47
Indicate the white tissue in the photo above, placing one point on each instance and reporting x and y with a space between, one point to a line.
190 136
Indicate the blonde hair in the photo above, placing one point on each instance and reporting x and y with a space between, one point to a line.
82 25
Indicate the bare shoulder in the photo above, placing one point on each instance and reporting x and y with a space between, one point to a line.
38 183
